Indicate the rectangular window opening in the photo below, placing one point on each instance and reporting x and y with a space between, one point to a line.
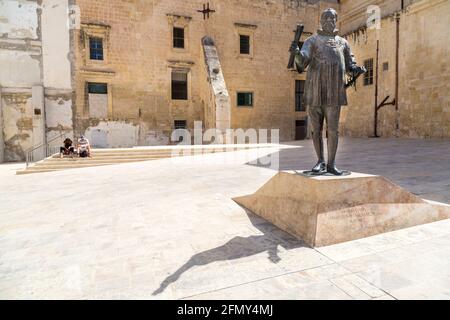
96 48
245 99
368 76
97 100
178 38
244 44
300 123
98 88
179 86
180 124
301 129
299 94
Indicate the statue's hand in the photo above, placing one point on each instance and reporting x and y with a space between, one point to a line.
359 70
294 47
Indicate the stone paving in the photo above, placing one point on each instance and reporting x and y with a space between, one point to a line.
168 229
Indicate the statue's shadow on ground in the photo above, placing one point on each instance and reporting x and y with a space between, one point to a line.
240 247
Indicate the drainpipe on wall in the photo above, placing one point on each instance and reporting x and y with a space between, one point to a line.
397 58
375 131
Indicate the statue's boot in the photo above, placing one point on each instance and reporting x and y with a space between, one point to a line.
320 167
332 144
331 168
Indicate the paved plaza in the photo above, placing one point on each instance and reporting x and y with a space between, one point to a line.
169 229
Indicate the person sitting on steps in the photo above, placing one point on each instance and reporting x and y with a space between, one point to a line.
84 148
68 148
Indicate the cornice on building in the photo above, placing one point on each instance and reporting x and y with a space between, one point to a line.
411 7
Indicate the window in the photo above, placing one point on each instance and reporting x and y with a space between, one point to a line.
96 48
178 38
179 86
299 92
95 41
97 100
385 66
99 88
368 76
301 129
180 124
244 44
245 99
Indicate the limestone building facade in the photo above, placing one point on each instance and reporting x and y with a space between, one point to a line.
154 76
129 72
35 75
408 57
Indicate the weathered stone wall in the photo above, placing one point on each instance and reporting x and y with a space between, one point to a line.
58 114
20 69
424 71
423 101
2 143
113 134
35 77
56 69
17 113
139 59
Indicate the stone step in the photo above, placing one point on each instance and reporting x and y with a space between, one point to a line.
170 149
50 168
134 155
176 151
45 165
101 157
28 171
107 158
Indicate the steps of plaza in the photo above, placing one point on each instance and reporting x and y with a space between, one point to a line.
103 157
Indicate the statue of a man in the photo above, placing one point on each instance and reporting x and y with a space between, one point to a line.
328 58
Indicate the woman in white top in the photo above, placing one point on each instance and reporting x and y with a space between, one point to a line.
84 148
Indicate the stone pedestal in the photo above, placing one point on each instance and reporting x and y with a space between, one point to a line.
326 210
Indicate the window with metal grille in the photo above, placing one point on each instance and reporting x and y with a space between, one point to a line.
368 76
299 93
178 38
99 88
96 48
180 124
179 86
245 99
244 44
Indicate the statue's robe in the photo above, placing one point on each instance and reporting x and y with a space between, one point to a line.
328 58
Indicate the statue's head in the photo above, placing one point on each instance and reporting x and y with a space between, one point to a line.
328 20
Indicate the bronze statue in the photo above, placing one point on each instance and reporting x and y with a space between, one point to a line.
329 59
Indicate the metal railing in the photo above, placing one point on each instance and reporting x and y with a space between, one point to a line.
42 150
